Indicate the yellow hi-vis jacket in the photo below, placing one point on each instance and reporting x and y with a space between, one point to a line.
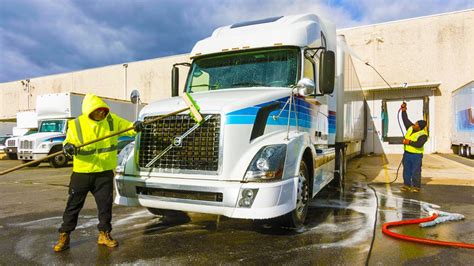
414 137
100 156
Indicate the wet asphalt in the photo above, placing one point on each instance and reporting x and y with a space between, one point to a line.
339 228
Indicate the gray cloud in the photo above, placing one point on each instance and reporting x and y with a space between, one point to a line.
42 37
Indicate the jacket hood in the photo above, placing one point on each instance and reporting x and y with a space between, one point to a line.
91 103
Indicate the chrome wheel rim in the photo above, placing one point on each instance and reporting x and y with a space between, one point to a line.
302 196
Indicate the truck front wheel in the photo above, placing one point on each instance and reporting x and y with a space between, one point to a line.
296 218
59 160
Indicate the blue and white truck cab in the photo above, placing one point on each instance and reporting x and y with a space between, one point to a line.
268 143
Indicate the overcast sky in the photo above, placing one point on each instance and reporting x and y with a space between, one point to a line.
43 37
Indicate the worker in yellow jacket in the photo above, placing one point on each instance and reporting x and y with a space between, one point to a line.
92 166
414 141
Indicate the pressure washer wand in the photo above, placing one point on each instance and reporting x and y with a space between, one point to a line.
191 106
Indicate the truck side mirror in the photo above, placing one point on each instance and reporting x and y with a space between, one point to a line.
135 96
174 81
327 72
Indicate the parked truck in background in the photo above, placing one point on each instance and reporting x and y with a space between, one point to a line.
53 111
462 137
26 124
272 138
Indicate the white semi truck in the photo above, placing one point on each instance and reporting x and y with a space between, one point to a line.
463 127
271 139
26 124
53 111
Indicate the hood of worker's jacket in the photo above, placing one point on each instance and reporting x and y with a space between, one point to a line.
91 103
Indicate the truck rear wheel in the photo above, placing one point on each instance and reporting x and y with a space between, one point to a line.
468 151
461 150
296 218
59 160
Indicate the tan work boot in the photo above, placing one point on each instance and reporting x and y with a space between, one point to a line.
106 239
405 188
415 189
63 242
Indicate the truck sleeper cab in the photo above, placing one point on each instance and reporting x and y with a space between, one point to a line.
268 143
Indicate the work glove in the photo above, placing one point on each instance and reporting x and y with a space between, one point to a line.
406 142
138 126
403 107
69 150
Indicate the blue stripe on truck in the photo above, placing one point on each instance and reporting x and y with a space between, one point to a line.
305 110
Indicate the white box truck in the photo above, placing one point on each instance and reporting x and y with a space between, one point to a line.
462 137
53 111
26 124
271 139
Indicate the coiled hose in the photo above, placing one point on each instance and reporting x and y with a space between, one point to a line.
386 231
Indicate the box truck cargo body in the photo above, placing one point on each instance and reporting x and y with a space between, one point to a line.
462 136
26 124
272 138
53 111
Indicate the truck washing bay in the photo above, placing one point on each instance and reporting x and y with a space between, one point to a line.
273 173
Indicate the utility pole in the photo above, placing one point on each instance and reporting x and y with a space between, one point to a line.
27 88
125 67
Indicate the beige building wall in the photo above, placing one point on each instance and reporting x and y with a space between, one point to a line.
151 77
426 50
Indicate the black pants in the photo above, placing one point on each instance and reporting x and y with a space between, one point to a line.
101 186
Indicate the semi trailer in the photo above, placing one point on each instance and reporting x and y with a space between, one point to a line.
462 137
53 111
282 108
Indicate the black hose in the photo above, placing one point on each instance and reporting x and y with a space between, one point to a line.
375 225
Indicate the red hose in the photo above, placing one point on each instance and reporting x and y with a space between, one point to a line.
385 230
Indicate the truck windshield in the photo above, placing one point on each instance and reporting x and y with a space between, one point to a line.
52 126
262 68
3 139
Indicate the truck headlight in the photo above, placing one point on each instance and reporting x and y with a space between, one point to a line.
267 164
123 157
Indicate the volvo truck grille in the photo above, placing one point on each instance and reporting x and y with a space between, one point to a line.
26 144
198 151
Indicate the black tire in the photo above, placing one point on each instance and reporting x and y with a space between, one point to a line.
296 218
461 150
59 160
469 152
31 165
12 156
